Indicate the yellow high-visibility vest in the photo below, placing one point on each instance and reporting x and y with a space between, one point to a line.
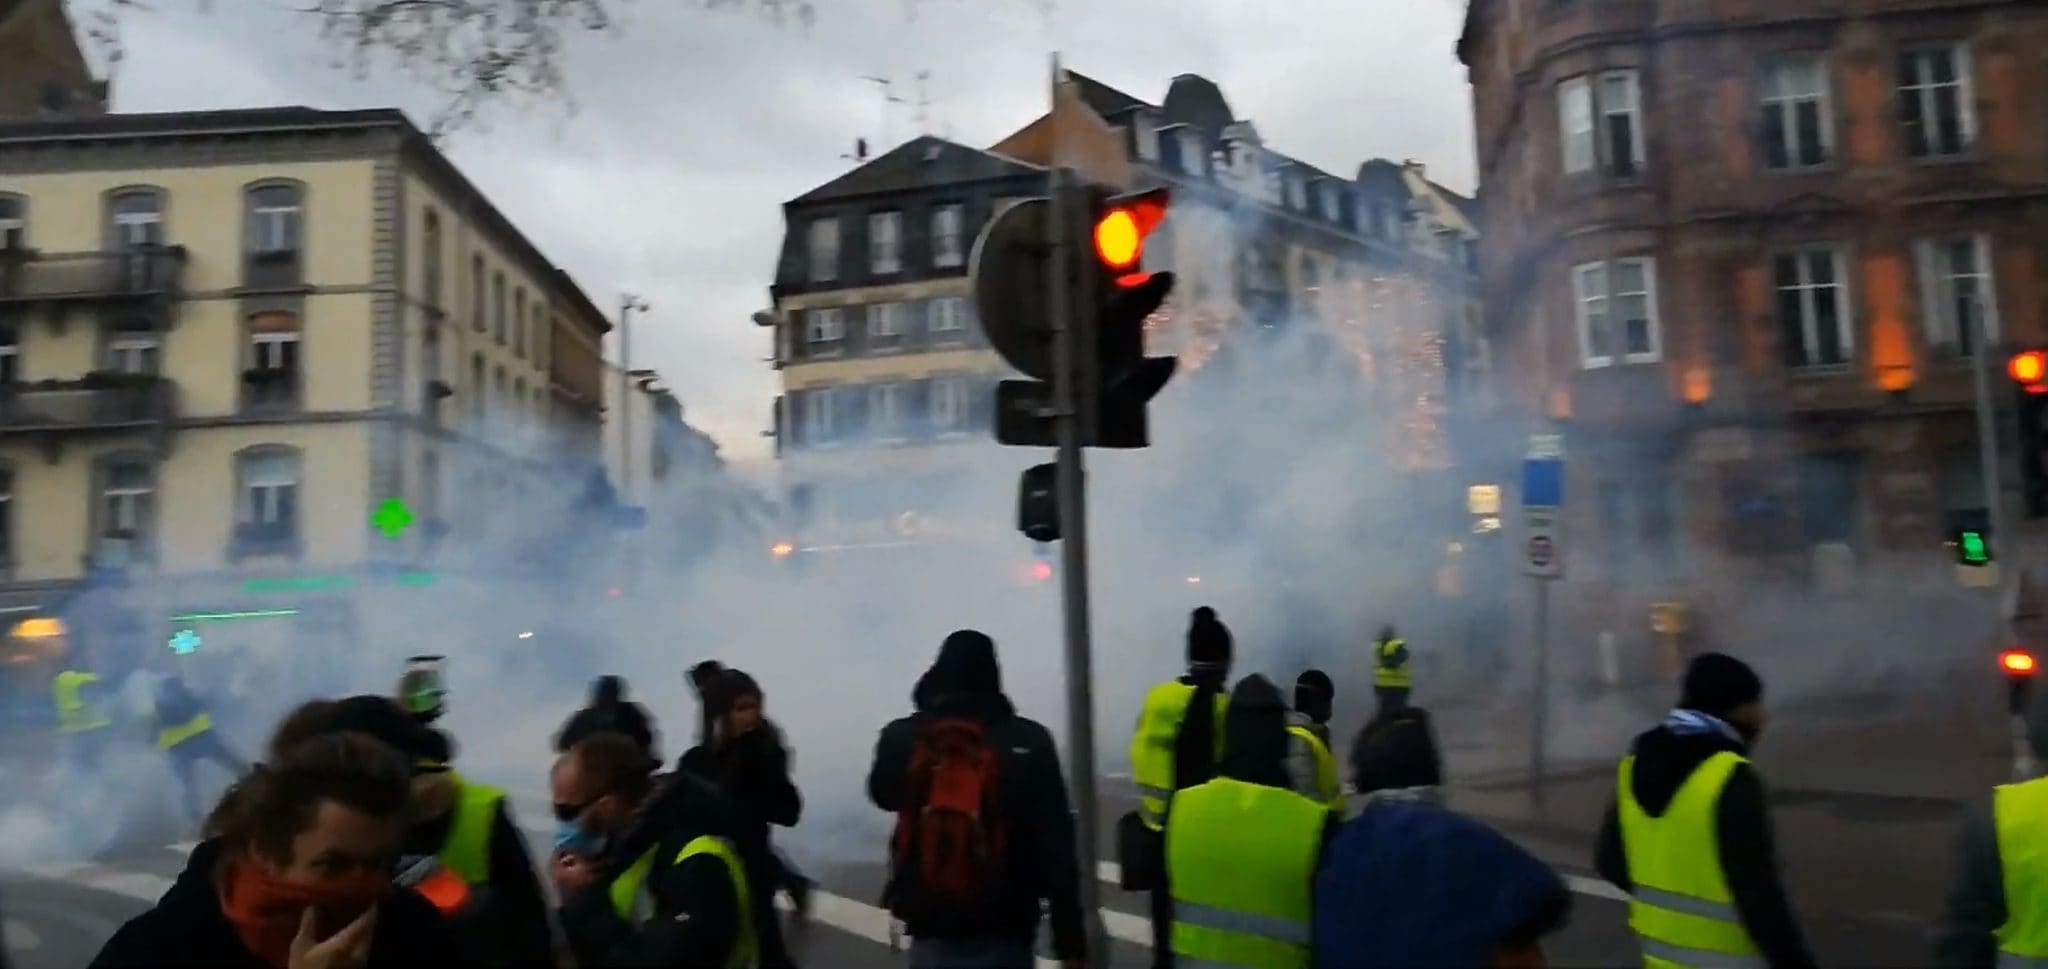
74 714
2018 812
1159 722
1241 860
633 904
172 736
1327 786
1390 673
1680 906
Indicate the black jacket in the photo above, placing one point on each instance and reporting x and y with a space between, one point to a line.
1742 828
511 929
1194 747
754 772
1041 863
696 910
187 929
624 717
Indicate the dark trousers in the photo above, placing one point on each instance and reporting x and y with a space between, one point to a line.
1162 928
186 756
1391 698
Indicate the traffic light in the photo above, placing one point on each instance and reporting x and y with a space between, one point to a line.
1117 379
1038 505
2029 372
2018 665
1971 548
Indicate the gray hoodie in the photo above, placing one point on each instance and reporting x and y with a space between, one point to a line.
1976 901
1301 761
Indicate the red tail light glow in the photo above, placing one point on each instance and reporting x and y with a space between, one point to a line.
2017 661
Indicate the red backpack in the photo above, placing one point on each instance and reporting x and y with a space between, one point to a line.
950 846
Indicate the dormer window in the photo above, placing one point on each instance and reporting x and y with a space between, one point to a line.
1191 151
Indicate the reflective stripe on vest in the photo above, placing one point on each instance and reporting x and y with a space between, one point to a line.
2018 813
1327 786
74 715
1240 859
169 737
635 905
1680 908
1389 673
1159 724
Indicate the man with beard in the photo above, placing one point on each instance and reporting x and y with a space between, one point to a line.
1689 833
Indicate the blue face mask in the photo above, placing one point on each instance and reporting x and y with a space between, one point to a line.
571 837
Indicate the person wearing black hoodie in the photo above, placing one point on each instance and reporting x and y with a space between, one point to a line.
1674 842
1038 863
746 759
1244 847
1177 745
700 677
609 712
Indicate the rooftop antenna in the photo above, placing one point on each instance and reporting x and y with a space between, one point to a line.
888 98
924 103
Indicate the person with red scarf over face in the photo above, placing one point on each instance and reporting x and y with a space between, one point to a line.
296 874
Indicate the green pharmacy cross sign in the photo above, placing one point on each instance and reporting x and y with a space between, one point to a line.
392 518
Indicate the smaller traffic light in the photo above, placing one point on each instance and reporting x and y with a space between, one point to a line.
2029 372
1038 504
2019 666
1972 548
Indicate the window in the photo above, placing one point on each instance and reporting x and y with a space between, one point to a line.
138 219
1813 315
824 250
476 292
127 509
430 259
1617 311
1956 291
1599 121
886 410
1798 131
274 217
825 325
269 509
818 414
13 222
1191 151
519 322
946 247
519 393
477 389
885 321
273 375
1330 204
498 308
885 242
947 314
949 404
1934 101
1146 137
10 350
133 352
6 516
1297 193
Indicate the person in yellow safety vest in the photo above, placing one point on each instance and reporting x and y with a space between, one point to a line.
81 716
1390 679
1997 909
184 732
1310 764
463 851
1242 850
1689 835
1178 744
685 901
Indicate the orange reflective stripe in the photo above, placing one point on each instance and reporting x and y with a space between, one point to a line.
445 889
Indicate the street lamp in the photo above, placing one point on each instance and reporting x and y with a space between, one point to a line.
628 305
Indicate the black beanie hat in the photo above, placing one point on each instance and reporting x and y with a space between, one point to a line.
1716 684
384 719
1208 639
1314 694
1396 751
703 673
726 688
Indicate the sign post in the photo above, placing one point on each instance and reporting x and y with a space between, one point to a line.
1543 562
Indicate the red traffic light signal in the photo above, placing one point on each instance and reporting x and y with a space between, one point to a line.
2016 662
1120 231
2029 368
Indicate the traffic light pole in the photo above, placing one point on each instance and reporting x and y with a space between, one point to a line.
2003 543
1073 510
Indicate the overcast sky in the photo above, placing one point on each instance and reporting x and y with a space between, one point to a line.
693 126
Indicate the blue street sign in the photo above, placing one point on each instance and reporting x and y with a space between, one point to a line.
1542 483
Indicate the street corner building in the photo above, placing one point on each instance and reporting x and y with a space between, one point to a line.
1740 258
272 377
887 378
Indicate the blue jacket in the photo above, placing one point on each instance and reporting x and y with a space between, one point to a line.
1410 884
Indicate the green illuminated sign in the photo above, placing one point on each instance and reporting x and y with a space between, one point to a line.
392 518
1972 549
226 616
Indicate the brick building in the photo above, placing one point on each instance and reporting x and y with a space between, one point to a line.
1736 251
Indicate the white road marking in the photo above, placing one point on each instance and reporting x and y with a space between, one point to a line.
21 937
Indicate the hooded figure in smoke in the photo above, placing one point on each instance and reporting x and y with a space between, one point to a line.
1410 883
609 712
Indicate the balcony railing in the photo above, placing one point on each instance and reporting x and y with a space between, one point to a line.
146 272
98 401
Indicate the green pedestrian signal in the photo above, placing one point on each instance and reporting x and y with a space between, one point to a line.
1971 549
